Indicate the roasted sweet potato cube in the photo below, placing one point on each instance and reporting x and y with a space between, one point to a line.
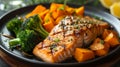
48 23
55 6
97 44
59 19
107 32
58 13
42 14
82 54
100 47
103 51
70 10
80 11
38 9
112 40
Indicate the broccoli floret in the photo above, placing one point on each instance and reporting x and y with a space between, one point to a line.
26 39
28 33
14 25
34 23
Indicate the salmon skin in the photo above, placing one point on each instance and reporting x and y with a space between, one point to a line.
70 33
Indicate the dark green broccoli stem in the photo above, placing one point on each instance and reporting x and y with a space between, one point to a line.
41 27
27 39
42 31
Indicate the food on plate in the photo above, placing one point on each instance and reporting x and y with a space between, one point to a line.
100 47
70 33
34 23
48 22
112 40
28 33
107 32
26 40
80 11
38 9
82 54
55 13
60 32
14 25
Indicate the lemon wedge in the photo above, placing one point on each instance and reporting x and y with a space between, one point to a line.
115 9
108 3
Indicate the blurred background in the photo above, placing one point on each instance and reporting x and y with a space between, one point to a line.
111 6
6 5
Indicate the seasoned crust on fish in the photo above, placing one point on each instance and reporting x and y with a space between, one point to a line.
70 33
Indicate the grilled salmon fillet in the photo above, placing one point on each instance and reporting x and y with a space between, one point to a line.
70 33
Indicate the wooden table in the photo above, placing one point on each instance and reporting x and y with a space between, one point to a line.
12 62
